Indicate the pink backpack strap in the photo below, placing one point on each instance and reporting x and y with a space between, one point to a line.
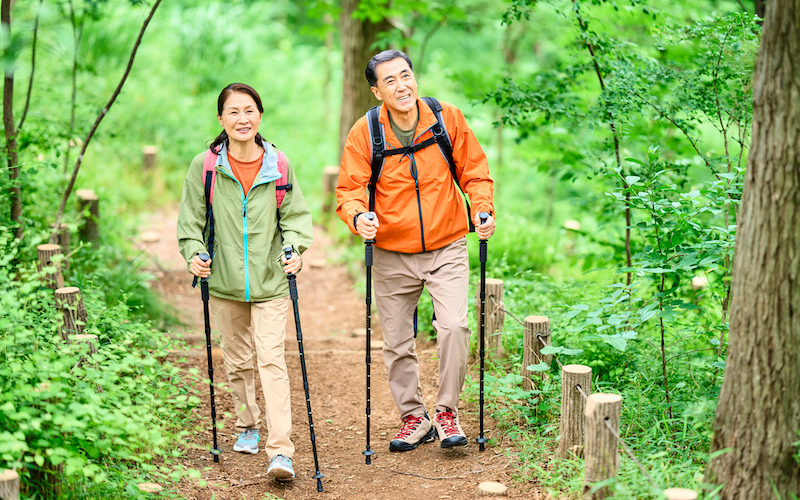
209 164
282 185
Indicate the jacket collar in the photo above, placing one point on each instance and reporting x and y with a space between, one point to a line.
426 119
269 164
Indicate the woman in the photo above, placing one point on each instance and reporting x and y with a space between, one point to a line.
248 288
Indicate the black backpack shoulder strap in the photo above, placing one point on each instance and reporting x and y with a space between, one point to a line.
443 140
440 134
378 148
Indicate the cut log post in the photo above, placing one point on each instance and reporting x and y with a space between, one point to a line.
680 494
492 489
149 154
601 447
330 178
89 206
9 484
70 303
537 332
573 406
47 252
149 487
494 315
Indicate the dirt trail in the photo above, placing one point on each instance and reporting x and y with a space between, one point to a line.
332 320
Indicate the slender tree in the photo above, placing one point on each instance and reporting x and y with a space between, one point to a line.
758 416
8 127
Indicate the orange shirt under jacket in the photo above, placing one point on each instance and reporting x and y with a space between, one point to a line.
416 218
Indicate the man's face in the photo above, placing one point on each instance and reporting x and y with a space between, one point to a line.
396 86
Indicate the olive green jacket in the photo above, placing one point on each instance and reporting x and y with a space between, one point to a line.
249 235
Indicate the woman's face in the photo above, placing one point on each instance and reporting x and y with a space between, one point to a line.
240 117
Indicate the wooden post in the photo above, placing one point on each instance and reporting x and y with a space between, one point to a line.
62 236
149 154
70 303
330 178
601 446
494 317
9 484
46 253
573 406
88 201
535 327
680 494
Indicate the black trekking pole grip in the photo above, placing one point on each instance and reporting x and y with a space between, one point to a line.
287 252
484 216
368 243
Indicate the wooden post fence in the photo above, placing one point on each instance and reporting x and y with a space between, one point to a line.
70 303
9 484
149 155
537 330
601 447
573 406
330 178
46 253
88 201
494 317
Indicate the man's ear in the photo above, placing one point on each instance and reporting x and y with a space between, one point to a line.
375 92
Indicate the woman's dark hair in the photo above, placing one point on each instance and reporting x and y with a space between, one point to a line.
223 96
382 57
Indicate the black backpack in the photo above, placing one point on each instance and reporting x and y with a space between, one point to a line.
440 137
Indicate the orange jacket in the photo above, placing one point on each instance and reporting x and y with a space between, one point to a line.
415 219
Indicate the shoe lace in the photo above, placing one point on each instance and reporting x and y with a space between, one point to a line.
448 422
250 434
410 424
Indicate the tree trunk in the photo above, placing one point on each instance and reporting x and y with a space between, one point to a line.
357 38
8 127
759 405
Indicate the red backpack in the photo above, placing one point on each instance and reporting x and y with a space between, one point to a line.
210 175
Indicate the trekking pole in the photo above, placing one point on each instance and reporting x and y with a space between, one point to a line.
481 440
215 451
293 294
368 262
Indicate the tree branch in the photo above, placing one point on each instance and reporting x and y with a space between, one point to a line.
33 67
100 117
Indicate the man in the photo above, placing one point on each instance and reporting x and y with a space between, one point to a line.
419 227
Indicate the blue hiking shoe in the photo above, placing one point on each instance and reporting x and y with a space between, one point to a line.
247 442
280 467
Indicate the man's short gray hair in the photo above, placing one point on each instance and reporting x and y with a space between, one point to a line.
382 57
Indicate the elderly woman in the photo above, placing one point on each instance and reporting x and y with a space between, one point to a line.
246 272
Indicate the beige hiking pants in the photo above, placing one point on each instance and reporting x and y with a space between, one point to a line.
399 279
258 328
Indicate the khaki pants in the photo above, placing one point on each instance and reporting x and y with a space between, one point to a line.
258 328
399 279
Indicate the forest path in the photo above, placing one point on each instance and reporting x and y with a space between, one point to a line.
332 321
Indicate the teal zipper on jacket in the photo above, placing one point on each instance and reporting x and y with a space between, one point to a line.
244 232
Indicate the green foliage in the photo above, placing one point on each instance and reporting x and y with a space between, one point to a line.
68 411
